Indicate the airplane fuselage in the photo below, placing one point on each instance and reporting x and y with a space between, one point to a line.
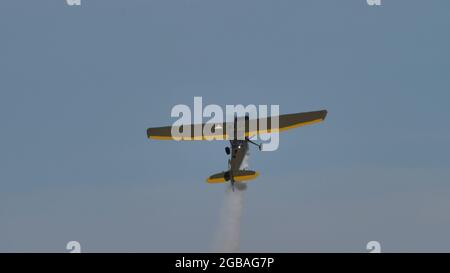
239 149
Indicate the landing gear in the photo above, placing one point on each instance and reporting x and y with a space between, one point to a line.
227 150
254 143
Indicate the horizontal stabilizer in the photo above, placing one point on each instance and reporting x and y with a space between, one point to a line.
241 176
238 176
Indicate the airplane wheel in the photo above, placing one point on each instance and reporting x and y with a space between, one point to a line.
227 150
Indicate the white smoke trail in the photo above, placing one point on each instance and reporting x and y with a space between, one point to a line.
228 236
244 164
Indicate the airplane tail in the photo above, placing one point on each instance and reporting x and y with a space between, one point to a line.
237 176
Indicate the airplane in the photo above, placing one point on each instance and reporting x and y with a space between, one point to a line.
239 142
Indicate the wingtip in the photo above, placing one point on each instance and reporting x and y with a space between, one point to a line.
325 113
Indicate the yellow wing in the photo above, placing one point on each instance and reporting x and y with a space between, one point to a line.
222 131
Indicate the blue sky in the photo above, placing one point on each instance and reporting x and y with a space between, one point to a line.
80 85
